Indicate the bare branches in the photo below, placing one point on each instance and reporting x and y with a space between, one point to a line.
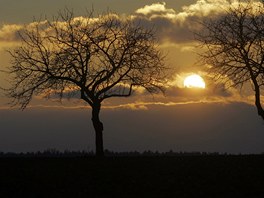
100 57
234 46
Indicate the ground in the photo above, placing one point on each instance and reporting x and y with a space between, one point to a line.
181 176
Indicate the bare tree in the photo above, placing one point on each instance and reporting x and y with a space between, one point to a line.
98 57
234 44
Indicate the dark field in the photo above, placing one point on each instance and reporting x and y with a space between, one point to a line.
182 176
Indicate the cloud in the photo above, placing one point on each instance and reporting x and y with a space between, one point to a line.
73 92
198 94
203 8
10 32
156 9
178 27
173 26
169 23
194 127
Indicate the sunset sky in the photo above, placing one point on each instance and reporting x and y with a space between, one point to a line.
214 119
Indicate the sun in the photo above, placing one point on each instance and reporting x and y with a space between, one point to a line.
194 81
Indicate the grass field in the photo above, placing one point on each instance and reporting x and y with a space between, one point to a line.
183 176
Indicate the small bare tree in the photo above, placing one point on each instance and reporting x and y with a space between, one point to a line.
99 57
234 44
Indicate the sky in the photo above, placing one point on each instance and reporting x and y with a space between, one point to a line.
214 119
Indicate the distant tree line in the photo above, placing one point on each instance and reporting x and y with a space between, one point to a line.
50 153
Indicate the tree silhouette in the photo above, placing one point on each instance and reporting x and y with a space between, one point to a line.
234 44
98 57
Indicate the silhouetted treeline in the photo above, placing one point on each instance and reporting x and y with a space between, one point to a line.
85 153
49 153
157 153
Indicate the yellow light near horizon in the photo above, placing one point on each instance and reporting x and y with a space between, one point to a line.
194 81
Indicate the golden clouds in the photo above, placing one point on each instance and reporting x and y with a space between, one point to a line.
9 32
178 26
175 32
156 9
9 35
172 25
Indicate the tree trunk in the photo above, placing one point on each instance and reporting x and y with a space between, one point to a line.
98 127
257 99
